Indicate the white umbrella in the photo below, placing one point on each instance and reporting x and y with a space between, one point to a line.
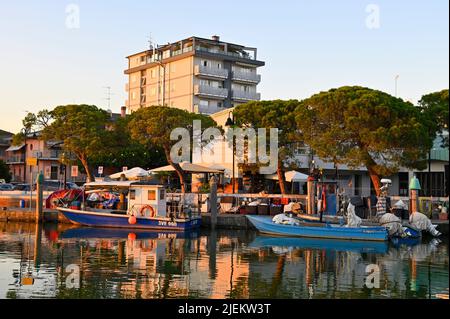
187 167
131 173
294 176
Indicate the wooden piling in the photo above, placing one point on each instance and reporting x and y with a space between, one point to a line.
39 198
213 201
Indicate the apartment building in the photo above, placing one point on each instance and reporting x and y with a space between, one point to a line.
195 74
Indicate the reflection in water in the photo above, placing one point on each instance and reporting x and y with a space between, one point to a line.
210 264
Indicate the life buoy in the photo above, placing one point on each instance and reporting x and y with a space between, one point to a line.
152 210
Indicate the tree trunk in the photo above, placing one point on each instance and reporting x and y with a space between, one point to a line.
84 162
178 170
281 178
375 180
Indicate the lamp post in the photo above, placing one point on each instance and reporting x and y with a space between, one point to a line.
25 134
396 86
230 123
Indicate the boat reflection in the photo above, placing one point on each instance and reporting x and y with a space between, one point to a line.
111 233
289 243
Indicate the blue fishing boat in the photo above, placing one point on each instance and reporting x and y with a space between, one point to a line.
266 225
375 247
146 208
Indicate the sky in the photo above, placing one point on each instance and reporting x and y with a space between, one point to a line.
56 52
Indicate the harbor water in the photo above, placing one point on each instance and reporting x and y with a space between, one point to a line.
56 261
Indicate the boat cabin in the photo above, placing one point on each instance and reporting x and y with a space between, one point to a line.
136 198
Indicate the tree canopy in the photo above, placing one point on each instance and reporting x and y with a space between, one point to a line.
82 128
4 172
359 126
435 107
154 125
272 114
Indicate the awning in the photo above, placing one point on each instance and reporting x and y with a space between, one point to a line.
187 167
14 148
291 176
135 172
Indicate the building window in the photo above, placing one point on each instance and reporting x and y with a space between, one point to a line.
132 194
151 195
204 103
433 185
357 185
162 194
205 63
403 181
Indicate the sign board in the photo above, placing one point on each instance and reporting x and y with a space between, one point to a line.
47 172
74 171
125 168
100 170
32 161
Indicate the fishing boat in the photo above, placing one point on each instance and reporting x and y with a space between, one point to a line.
138 205
266 225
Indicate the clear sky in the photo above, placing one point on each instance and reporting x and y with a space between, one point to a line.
47 59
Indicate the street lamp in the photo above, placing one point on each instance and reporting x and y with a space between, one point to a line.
25 134
230 123
396 80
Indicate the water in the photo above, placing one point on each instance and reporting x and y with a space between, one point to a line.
96 263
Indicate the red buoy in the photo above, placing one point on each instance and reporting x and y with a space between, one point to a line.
132 236
132 220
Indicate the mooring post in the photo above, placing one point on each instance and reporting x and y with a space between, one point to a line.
213 201
414 188
39 197
310 205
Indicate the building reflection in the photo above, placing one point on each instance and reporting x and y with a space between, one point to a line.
211 265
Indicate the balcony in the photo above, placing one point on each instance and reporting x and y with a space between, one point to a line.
209 72
211 92
15 159
207 109
246 77
51 155
246 96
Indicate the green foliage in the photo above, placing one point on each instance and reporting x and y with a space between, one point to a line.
82 130
358 126
272 114
435 107
122 150
4 172
153 126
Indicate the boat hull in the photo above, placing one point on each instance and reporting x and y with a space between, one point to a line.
108 220
267 226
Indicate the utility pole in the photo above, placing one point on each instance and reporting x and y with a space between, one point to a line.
396 85
108 96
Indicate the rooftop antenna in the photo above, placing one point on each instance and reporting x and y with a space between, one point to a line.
108 96
152 45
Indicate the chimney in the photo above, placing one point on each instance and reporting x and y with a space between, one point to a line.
123 111
216 38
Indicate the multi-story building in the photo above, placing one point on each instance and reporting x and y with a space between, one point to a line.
5 142
195 74
46 155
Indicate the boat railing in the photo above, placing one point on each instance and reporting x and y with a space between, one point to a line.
181 205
